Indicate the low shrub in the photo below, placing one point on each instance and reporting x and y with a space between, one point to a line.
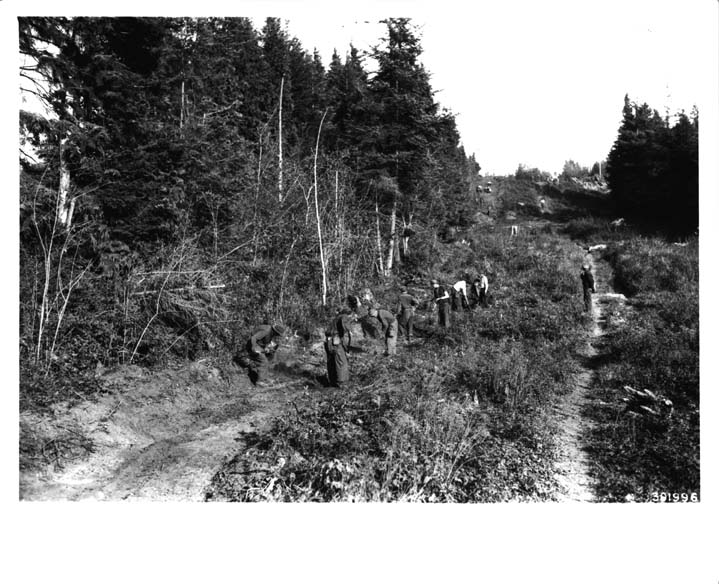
413 442
464 416
653 344
589 229
644 265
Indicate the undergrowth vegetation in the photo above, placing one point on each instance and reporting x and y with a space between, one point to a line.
650 266
652 344
463 416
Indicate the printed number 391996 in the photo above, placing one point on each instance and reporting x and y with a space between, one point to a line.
659 497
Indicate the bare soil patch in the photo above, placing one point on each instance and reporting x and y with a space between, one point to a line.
153 436
573 464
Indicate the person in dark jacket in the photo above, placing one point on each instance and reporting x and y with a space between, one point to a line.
342 325
588 286
361 312
338 371
353 302
442 300
263 342
405 314
388 323
473 294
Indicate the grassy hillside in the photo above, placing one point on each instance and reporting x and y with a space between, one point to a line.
653 344
475 413
464 415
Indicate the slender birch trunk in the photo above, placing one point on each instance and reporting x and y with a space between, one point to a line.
379 240
340 222
44 310
64 207
392 237
405 239
279 176
317 216
337 190
254 212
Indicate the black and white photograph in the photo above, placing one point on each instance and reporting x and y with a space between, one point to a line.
429 253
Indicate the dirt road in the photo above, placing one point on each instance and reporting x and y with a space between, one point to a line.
573 466
152 436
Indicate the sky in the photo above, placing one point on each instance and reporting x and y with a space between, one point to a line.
539 83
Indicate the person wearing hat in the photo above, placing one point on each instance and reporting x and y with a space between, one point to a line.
442 300
261 344
405 312
388 323
588 286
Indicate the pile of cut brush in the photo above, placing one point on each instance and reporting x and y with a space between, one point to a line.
646 402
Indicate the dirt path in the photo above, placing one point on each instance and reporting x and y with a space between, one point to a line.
573 464
154 436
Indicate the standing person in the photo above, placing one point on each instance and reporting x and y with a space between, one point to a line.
263 342
389 328
338 370
441 299
459 295
342 325
588 286
405 317
483 290
473 293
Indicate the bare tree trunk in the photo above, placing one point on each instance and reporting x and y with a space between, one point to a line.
64 207
405 239
317 216
279 177
254 212
379 240
392 237
62 216
44 311
337 190
340 212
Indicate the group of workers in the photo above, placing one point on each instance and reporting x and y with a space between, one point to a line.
375 320
380 322
458 298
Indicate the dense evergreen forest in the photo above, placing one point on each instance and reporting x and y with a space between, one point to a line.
196 176
653 168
